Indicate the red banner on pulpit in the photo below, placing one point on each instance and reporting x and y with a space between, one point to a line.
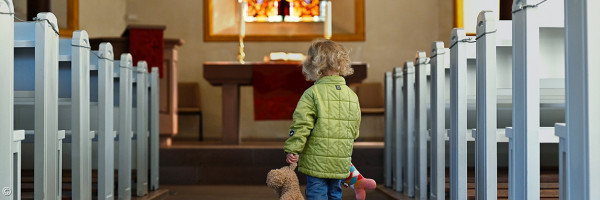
147 43
277 89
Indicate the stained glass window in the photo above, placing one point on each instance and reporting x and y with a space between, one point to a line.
285 11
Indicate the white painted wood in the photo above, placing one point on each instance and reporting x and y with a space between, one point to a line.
81 148
125 125
458 116
58 157
526 99
9 148
42 62
15 191
561 132
583 110
142 128
410 116
106 144
538 39
389 127
438 121
399 130
421 122
154 129
486 147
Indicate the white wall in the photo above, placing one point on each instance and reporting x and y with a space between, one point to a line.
395 30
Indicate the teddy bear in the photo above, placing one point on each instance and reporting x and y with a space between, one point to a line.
359 183
285 183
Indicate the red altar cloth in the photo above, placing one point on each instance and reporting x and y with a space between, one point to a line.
277 89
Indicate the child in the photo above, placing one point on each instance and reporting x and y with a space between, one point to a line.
326 122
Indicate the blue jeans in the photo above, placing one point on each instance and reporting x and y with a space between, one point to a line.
322 189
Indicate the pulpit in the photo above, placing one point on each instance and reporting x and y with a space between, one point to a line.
232 75
147 43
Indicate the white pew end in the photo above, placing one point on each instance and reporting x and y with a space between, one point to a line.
102 88
410 131
422 63
439 56
123 77
154 129
10 145
36 54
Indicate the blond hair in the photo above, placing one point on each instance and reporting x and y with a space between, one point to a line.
326 56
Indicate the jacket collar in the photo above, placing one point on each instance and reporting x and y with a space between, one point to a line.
333 79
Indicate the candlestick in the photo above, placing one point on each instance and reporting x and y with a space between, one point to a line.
327 23
243 11
241 54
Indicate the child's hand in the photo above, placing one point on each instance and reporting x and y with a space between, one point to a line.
291 158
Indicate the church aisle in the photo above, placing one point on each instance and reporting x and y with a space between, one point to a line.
245 192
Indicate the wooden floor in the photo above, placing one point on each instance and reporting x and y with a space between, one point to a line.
211 163
247 192
27 191
548 185
211 170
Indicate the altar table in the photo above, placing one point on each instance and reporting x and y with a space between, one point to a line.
232 75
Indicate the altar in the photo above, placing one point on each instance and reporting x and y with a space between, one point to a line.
232 75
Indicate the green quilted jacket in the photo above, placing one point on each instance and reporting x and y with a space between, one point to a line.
326 123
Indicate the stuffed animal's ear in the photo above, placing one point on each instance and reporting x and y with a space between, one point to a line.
293 166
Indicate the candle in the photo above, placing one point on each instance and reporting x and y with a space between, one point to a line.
327 31
243 11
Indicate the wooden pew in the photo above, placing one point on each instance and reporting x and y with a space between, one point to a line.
393 162
459 55
74 110
421 127
140 129
154 115
485 136
533 28
10 140
409 130
168 83
439 57
388 145
494 59
123 121
399 129
102 102
580 176
421 133
61 84
36 55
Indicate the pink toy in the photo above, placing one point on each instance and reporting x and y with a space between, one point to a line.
359 183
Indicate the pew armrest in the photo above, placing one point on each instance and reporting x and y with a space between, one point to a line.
509 132
62 134
92 135
18 135
560 130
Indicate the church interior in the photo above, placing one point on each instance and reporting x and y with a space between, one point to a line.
151 99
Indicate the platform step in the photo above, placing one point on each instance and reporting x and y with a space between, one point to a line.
247 164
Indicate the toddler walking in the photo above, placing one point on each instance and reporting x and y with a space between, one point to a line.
325 123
